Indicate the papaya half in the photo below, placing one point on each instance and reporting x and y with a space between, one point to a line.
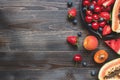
110 70
116 17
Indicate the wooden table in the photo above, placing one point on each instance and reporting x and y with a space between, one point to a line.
33 42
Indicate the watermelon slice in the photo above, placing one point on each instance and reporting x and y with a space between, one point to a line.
114 44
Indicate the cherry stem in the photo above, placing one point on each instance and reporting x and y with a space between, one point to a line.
76 63
78 46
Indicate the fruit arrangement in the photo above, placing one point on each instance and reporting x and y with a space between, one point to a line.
114 44
97 15
110 70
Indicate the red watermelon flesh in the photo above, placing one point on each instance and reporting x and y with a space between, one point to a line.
114 44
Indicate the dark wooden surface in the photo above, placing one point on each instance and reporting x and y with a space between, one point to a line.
33 42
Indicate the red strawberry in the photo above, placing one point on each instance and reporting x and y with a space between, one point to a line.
105 15
72 40
108 3
100 2
72 12
106 30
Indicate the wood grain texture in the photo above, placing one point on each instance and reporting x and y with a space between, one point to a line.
33 42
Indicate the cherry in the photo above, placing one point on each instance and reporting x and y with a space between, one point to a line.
77 58
88 19
95 17
94 2
97 9
95 25
89 12
102 24
86 2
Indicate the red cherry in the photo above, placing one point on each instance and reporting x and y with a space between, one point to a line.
102 24
94 2
77 58
95 25
88 19
86 2
95 17
97 9
89 12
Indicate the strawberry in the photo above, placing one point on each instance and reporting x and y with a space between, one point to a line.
100 2
108 3
105 15
72 12
106 30
73 40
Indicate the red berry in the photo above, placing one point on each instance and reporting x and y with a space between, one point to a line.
77 58
72 40
102 24
94 2
86 2
106 9
100 2
97 9
95 17
106 30
95 25
88 19
89 12
105 15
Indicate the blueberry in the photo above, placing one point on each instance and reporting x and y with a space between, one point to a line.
101 19
91 7
84 8
84 64
89 25
93 73
79 34
69 3
100 29
74 21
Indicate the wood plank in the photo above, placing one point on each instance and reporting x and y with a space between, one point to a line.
37 20
46 59
17 40
36 40
58 74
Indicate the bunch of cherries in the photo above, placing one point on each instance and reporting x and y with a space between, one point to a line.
98 15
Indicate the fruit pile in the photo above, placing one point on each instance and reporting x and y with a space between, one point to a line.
98 18
98 15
